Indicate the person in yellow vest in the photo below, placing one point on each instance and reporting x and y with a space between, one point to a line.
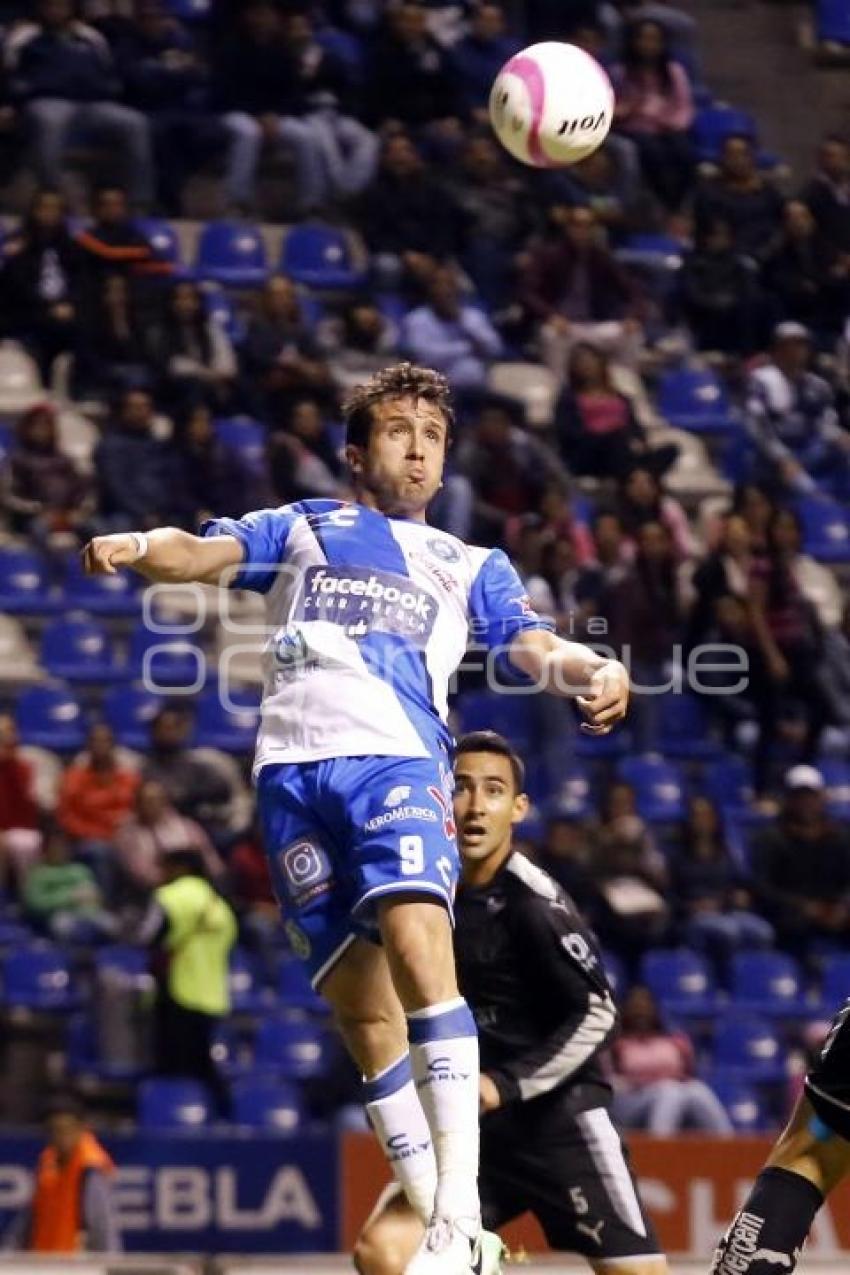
72 1209
192 930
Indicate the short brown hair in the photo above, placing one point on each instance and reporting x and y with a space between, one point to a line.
401 380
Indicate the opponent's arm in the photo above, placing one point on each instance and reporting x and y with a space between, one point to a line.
599 686
166 555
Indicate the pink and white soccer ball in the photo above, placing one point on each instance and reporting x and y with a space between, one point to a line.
551 105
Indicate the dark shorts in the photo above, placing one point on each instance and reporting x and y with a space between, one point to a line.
573 1173
828 1080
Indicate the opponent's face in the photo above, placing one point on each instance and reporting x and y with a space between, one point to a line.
401 469
486 806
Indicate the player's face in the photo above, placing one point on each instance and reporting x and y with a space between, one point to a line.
486 806
401 469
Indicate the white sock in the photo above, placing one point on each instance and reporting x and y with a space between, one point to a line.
444 1057
396 1115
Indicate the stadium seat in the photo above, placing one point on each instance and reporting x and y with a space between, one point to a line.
164 240
826 529
20 382
616 974
694 399
167 660
744 1106
80 651
37 978
745 1047
274 1107
190 10
573 796
683 728
292 1048
604 747
713 124
294 989
129 710
230 724
346 47
247 994
6 438
728 782
18 664
768 983
131 962
319 256
218 305
682 983
531 384
835 982
173 1104
659 787
836 774
232 254
246 438
510 715
118 595
25 588
50 717
832 19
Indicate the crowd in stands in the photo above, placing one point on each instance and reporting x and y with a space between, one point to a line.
649 358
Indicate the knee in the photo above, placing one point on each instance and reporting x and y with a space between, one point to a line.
378 1254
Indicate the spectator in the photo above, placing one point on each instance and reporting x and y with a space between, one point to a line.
740 196
577 292
20 838
449 335
62 73
409 74
62 897
801 866
630 876
805 277
213 478
95 797
42 282
756 507
641 499
134 469
556 520
302 459
599 435
655 109
609 565
817 584
828 193
359 344
791 418
117 354
716 904
566 854
253 897
725 572
151 834
72 1208
193 931
654 1084
41 490
718 292
258 103
608 182
281 359
408 220
113 243
196 787
495 216
480 55
507 467
195 352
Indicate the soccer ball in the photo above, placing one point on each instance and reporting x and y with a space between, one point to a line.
551 105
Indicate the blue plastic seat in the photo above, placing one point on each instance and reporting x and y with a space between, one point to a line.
695 399
230 725
826 529
346 47
294 989
682 983
684 729
728 782
25 588
659 787
510 715
190 10
167 660
835 983
131 962
292 1048
319 257
713 124
744 1105
615 971
836 774
657 253
247 994
574 794
50 717
129 710
116 595
618 743
263 1105
7 437
164 240
173 1104
83 1059
80 651
745 1047
38 978
833 21
768 983
232 254
246 438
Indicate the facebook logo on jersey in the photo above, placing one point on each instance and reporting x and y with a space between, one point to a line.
364 602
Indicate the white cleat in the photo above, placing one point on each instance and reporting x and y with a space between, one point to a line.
493 1252
450 1246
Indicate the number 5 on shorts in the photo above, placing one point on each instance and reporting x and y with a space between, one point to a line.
412 852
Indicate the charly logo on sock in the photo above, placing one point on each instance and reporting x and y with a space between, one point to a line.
400 1147
440 1069
740 1250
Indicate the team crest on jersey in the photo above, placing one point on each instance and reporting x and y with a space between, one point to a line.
443 549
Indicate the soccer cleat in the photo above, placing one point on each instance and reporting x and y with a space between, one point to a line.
492 1253
450 1246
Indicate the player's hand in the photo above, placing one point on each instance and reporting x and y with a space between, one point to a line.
607 699
103 555
488 1094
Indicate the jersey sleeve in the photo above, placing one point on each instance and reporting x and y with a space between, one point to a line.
499 609
263 536
562 957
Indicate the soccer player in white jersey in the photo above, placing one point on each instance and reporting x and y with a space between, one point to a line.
369 611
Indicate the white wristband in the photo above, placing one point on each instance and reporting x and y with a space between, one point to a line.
141 542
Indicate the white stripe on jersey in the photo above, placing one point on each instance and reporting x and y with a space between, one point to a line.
584 1041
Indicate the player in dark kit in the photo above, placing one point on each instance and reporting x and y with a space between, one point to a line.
808 1161
531 972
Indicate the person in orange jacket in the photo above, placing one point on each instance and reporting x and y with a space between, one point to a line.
72 1210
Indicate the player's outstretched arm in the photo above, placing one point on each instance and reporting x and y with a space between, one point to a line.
599 686
166 555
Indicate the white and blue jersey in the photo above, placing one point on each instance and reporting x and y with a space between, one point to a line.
367 618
